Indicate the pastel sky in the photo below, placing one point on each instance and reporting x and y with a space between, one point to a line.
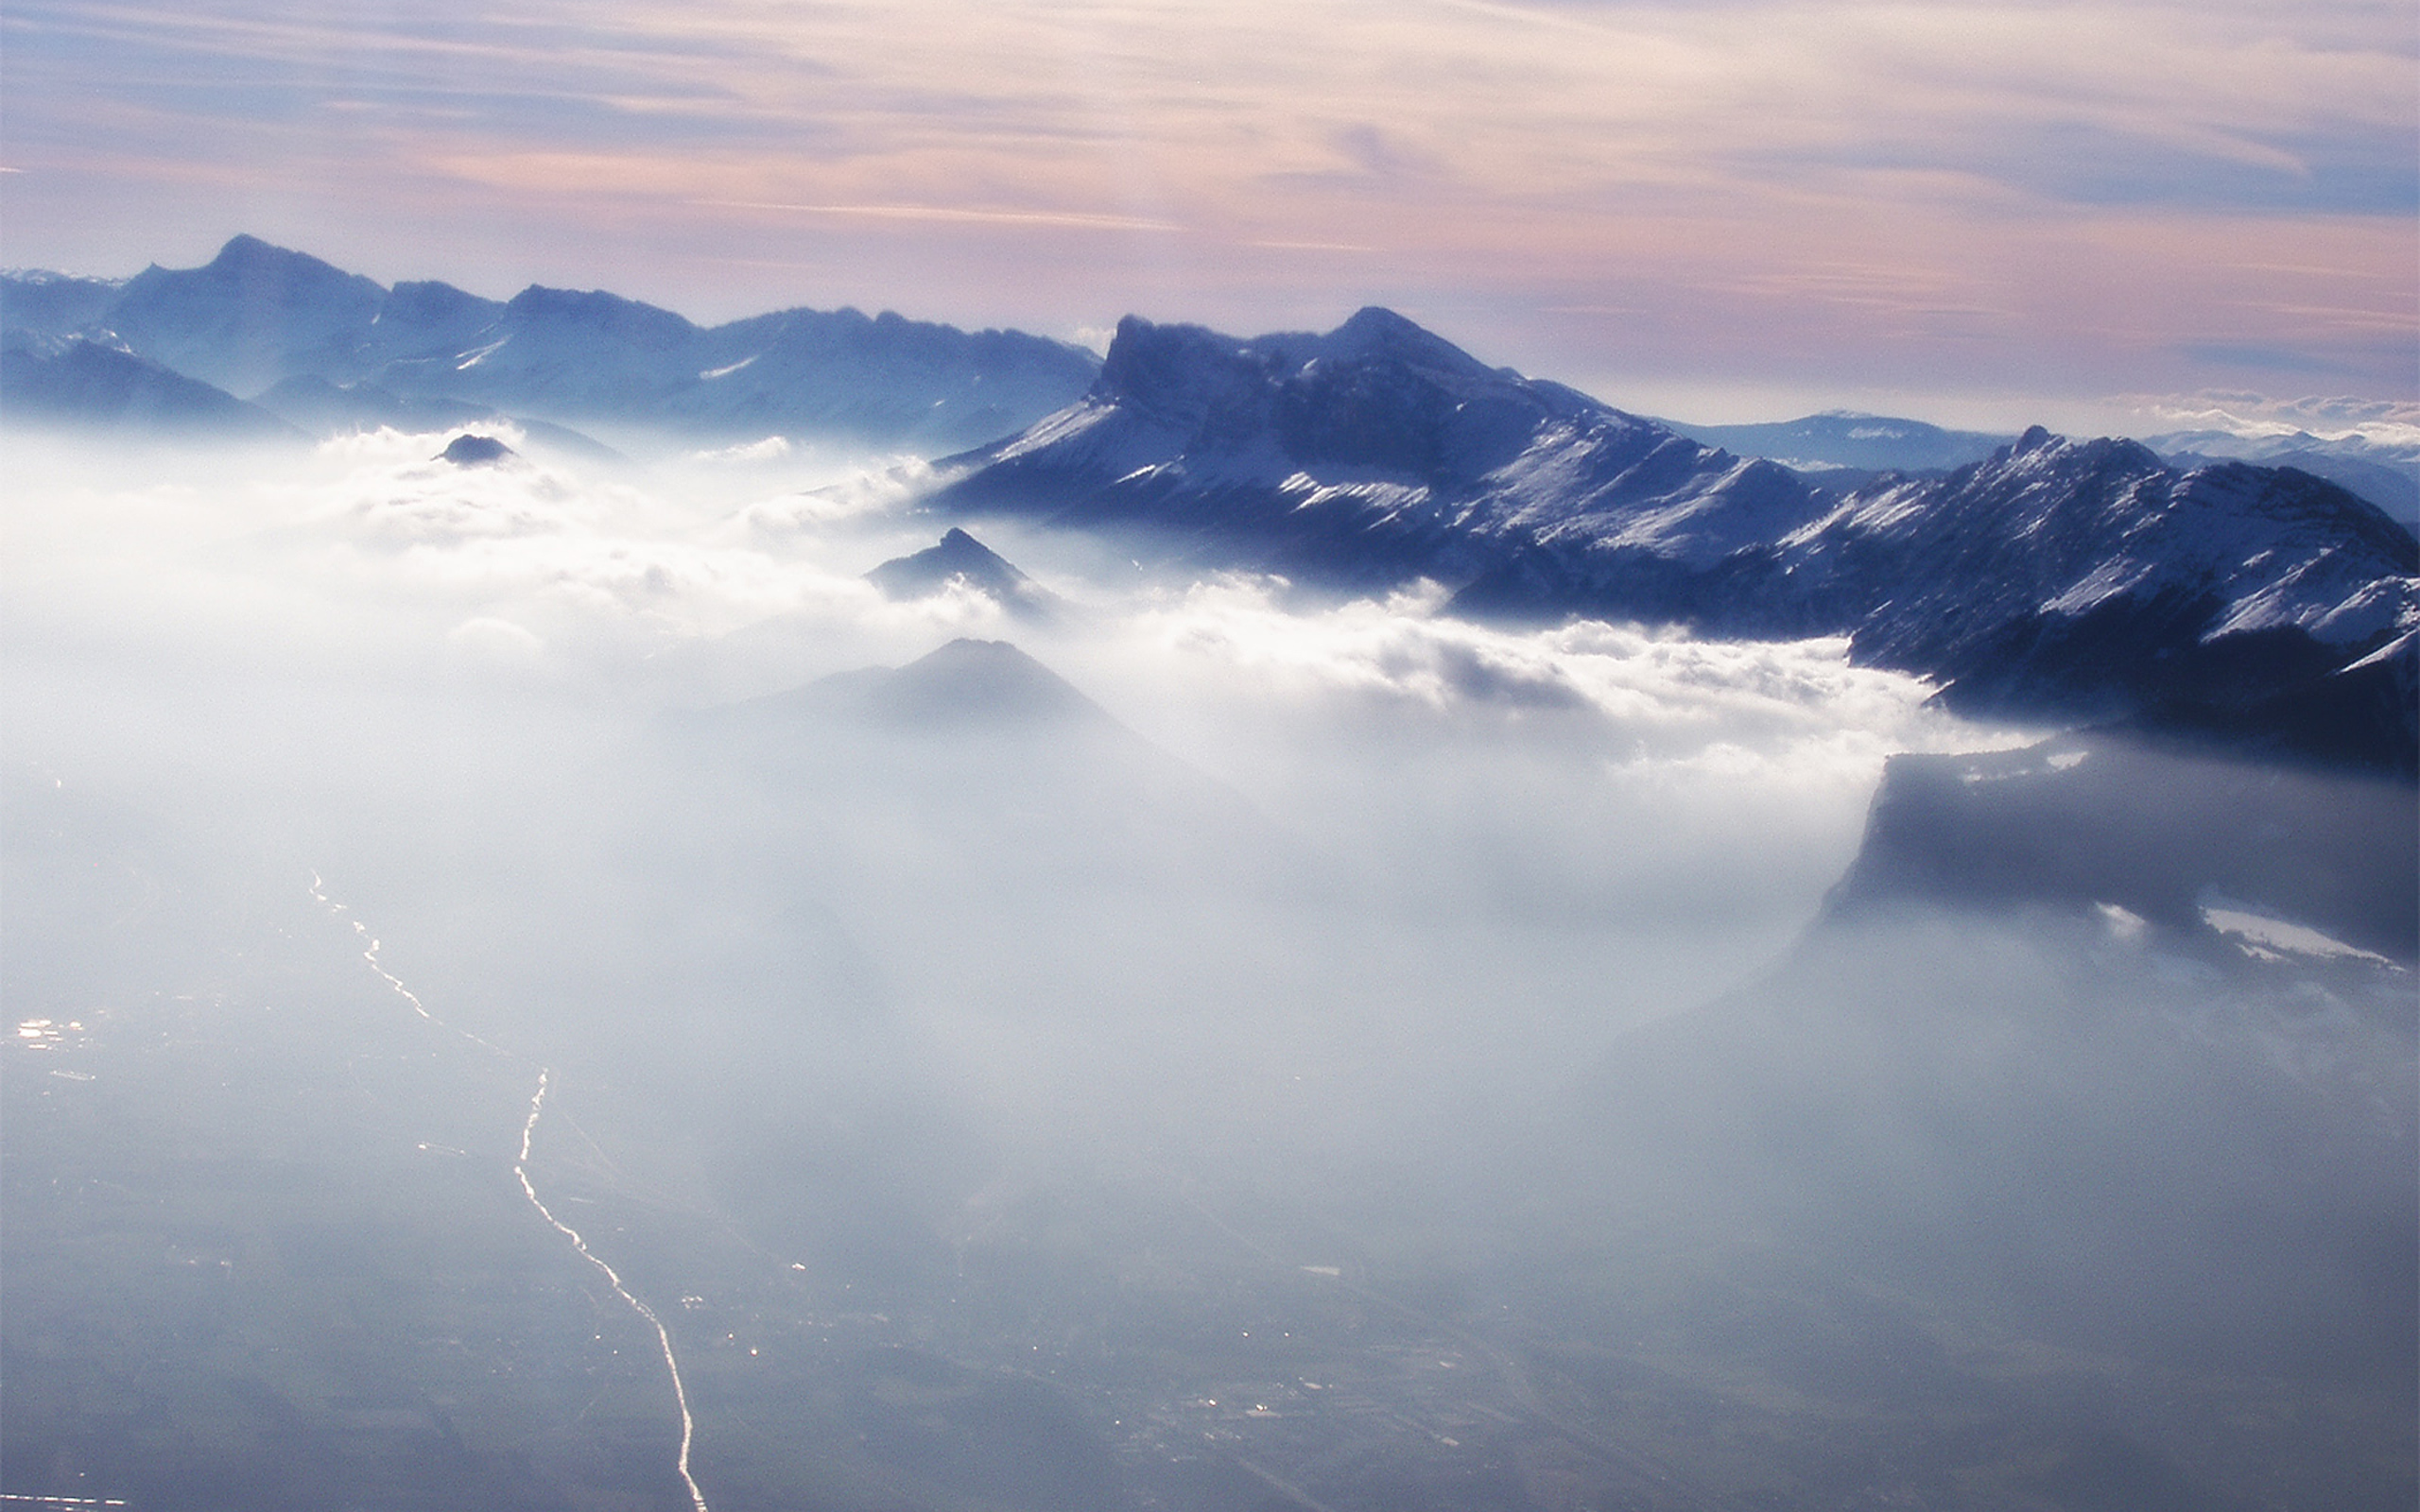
1968 210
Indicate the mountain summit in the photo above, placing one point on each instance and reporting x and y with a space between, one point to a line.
1374 453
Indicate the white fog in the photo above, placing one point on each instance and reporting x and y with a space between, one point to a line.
992 1057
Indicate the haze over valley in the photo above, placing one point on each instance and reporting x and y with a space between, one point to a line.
827 911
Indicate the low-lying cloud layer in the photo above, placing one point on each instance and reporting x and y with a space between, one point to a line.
370 630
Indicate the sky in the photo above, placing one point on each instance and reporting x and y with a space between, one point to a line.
1975 212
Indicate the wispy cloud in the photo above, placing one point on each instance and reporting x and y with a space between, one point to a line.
1686 172
957 214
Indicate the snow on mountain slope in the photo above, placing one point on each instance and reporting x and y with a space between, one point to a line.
2068 578
2088 574
2383 468
1375 451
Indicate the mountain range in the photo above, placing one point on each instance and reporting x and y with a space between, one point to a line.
2054 579
328 349
1846 449
2036 577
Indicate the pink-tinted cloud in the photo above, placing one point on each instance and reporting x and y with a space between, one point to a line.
2039 197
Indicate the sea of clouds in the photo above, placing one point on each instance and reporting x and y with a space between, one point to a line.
1524 841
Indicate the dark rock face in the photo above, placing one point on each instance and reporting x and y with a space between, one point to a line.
474 451
2104 1040
2104 819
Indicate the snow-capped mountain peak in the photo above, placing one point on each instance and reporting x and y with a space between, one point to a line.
2083 577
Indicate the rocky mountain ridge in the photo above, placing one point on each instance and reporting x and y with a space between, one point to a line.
295 333
2056 578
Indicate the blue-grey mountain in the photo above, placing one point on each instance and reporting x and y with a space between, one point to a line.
340 350
95 384
2386 472
1843 440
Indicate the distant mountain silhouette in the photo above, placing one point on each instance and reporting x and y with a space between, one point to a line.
1848 440
253 314
2385 471
258 319
982 754
967 684
85 384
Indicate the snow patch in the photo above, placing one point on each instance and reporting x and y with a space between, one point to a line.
2271 939
480 355
2124 922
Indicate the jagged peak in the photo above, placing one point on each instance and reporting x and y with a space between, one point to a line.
1183 362
956 552
958 543
962 559
1136 332
1375 330
2099 452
